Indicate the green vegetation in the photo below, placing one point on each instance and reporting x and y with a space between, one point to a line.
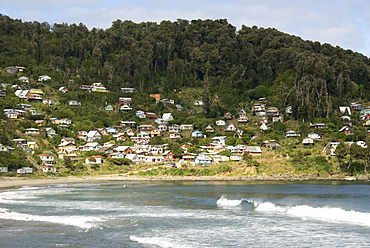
208 60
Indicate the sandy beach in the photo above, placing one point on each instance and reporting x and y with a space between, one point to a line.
15 182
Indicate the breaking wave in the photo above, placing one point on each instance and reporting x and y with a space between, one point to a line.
158 241
87 222
303 211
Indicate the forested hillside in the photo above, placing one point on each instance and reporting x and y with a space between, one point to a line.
230 65
75 100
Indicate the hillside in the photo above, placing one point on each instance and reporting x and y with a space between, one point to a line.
203 71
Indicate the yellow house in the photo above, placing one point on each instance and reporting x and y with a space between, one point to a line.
36 91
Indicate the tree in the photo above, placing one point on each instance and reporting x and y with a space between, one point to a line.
177 150
341 152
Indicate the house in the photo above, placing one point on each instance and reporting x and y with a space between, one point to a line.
167 117
264 120
109 107
197 134
73 103
277 118
155 133
202 160
24 79
219 140
65 121
365 111
50 132
47 158
346 130
140 114
145 128
175 135
133 157
157 97
264 127
291 133
272 144
85 87
254 150
142 138
308 141
49 102
210 129
48 168
258 107
94 160
221 123
21 143
150 115
356 106
198 103
15 69
184 127
230 128
174 128
91 146
125 101
318 125
272 111
127 90
43 78
161 121
68 139
167 101
314 136
25 170
235 158
154 159
63 89
67 149
228 116
345 110
32 131
2 93
123 150
243 119
11 113
128 124
93 135
125 108
162 128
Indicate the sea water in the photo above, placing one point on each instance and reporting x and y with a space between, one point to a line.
187 214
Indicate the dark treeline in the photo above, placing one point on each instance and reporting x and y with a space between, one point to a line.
210 55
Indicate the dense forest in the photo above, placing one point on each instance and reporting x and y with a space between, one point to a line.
229 66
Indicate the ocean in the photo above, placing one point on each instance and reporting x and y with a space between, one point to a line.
187 214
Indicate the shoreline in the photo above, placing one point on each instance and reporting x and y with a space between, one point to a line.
17 182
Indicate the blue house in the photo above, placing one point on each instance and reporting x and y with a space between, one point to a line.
197 134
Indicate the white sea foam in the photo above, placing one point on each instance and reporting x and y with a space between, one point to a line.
228 203
85 222
321 213
158 241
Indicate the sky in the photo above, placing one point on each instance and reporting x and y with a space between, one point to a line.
343 23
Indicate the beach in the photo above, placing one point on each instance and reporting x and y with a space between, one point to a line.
14 182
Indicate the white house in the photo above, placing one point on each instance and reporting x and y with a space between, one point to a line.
43 78
220 123
202 160
219 140
167 117
94 160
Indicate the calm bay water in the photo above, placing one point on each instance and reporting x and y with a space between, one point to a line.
187 214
